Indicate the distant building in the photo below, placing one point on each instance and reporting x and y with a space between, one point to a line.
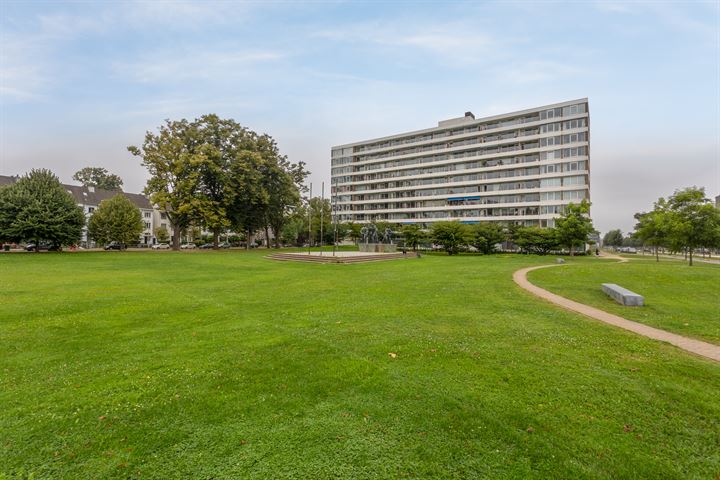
89 198
521 167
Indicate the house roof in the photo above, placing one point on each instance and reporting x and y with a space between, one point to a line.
91 195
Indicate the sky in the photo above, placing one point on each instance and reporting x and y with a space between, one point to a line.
80 81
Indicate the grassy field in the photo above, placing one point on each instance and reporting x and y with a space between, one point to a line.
227 365
678 298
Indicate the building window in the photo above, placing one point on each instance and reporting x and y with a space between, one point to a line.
147 214
147 225
91 209
163 216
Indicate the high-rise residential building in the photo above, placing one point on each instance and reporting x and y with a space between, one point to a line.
520 167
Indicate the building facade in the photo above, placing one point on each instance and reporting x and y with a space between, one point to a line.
521 167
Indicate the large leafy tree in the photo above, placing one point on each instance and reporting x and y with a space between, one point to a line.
692 220
451 236
98 177
37 208
175 168
574 226
486 235
116 219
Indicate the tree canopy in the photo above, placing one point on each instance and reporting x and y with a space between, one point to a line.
613 238
218 174
686 220
116 219
37 208
98 177
486 235
574 226
451 236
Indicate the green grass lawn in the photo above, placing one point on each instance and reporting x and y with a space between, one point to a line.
227 365
678 298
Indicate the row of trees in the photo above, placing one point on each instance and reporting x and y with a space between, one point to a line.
217 174
571 232
683 222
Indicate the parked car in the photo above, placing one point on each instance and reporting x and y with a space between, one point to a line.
224 245
31 247
161 246
206 246
114 246
188 246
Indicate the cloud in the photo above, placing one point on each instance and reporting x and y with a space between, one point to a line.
534 71
195 64
455 43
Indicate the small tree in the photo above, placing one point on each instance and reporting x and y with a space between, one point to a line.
693 221
162 235
536 240
574 226
486 235
451 236
37 208
613 238
98 177
413 235
116 220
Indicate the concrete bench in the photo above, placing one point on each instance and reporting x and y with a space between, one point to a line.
622 295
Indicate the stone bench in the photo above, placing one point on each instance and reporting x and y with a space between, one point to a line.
622 295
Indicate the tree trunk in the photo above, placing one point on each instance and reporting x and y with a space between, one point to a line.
247 240
690 252
216 237
267 237
176 237
572 252
657 256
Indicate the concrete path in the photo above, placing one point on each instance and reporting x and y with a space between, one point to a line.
698 347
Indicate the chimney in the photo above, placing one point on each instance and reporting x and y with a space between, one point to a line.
91 189
469 114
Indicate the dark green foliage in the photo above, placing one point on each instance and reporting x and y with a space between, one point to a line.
687 220
98 177
613 238
486 235
574 226
216 173
451 236
116 220
413 235
536 240
37 208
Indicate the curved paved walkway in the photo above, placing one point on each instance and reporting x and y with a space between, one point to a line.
698 347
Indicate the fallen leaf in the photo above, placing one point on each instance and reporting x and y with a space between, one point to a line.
530 430
392 355
628 428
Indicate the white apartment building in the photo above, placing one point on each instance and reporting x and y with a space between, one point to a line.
520 167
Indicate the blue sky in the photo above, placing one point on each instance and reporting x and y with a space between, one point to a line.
79 81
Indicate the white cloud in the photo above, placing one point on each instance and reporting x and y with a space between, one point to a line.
172 66
449 42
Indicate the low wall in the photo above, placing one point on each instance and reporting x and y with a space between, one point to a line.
378 247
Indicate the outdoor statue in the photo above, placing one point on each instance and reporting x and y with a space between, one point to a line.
364 234
372 233
387 236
